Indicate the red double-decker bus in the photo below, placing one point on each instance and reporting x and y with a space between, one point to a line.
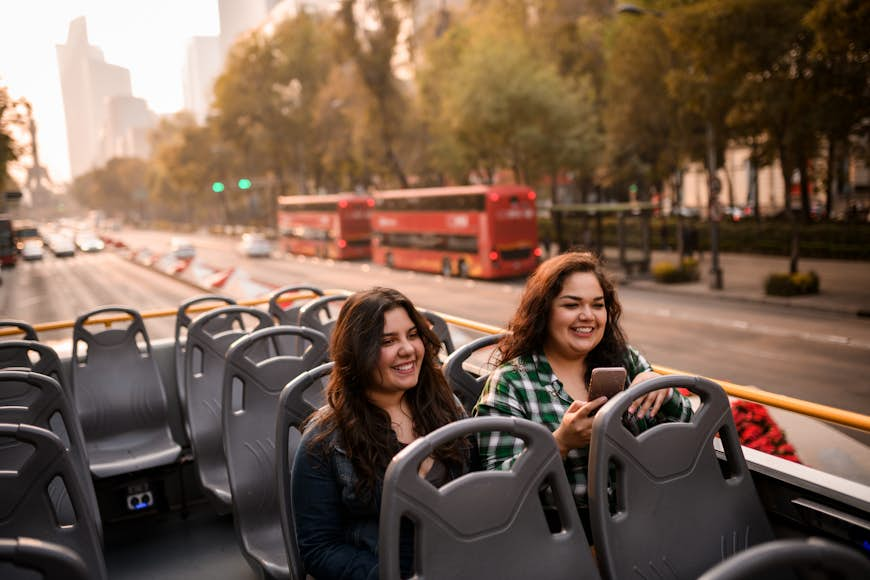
329 226
479 231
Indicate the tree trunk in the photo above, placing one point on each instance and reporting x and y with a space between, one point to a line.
794 244
805 190
830 178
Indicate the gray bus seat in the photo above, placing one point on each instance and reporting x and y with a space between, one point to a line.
301 397
12 357
485 524
208 339
322 313
289 316
250 409
35 399
120 397
26 329
42 496
439 327
796 555
465 385
49 560
670 473
35 356
182 322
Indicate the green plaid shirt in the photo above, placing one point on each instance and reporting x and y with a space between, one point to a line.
527 387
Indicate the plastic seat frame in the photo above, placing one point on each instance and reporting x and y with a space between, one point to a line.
670 473
290 316
183 321
52 561
30 503
120 397
485 524
13 357
208 339
309 314
50 401
14 354
775 557
465 385
294 407
250 410
439 327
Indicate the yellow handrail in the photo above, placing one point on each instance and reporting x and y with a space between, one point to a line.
823 412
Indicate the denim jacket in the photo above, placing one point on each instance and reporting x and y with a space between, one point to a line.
336 528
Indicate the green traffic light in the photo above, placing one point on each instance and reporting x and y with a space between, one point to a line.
217 187
244 183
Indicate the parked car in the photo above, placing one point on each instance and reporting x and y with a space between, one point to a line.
255 246
32 249
181 249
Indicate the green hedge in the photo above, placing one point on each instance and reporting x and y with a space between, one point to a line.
845 241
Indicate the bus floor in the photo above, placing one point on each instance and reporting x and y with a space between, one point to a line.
201 547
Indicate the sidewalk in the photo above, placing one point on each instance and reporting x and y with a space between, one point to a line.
844 285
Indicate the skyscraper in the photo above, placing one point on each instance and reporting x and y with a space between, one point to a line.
87 82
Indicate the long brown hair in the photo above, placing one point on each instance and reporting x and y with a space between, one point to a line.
364 428
529 325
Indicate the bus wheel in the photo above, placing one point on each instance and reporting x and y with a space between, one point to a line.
388 260
446 271
463 269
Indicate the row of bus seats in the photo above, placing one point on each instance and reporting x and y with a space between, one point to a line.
482 513
49 519
663 504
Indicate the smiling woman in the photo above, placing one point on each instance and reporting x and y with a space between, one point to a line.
567 325
385 391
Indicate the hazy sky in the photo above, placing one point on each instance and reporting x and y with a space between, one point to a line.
148 37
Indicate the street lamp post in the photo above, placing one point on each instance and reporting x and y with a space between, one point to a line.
713 183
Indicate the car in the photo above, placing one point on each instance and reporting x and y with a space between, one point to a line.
31 249
255 246
181 249
89 242
61 245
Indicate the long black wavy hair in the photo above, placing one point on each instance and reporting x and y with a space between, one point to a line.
364 428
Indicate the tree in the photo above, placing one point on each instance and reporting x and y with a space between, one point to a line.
113 188
8 148
368 35
265 99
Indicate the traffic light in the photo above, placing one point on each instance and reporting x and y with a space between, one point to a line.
217 187
244 183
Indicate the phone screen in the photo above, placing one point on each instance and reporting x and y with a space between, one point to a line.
607 382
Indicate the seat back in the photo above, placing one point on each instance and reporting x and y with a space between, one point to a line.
439 327
670 471
322 313
13 357
42 496
288 314
465 385
52 561
183 320
36 356
35 399
793 555
485 524
301 397
251 390
208 339
119 396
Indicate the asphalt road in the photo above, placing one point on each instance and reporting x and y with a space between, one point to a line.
816 356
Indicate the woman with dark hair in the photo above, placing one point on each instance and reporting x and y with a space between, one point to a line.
566 325
386 390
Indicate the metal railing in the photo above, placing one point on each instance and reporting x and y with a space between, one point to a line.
824 412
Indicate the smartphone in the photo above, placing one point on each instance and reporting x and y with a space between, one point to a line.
607 382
